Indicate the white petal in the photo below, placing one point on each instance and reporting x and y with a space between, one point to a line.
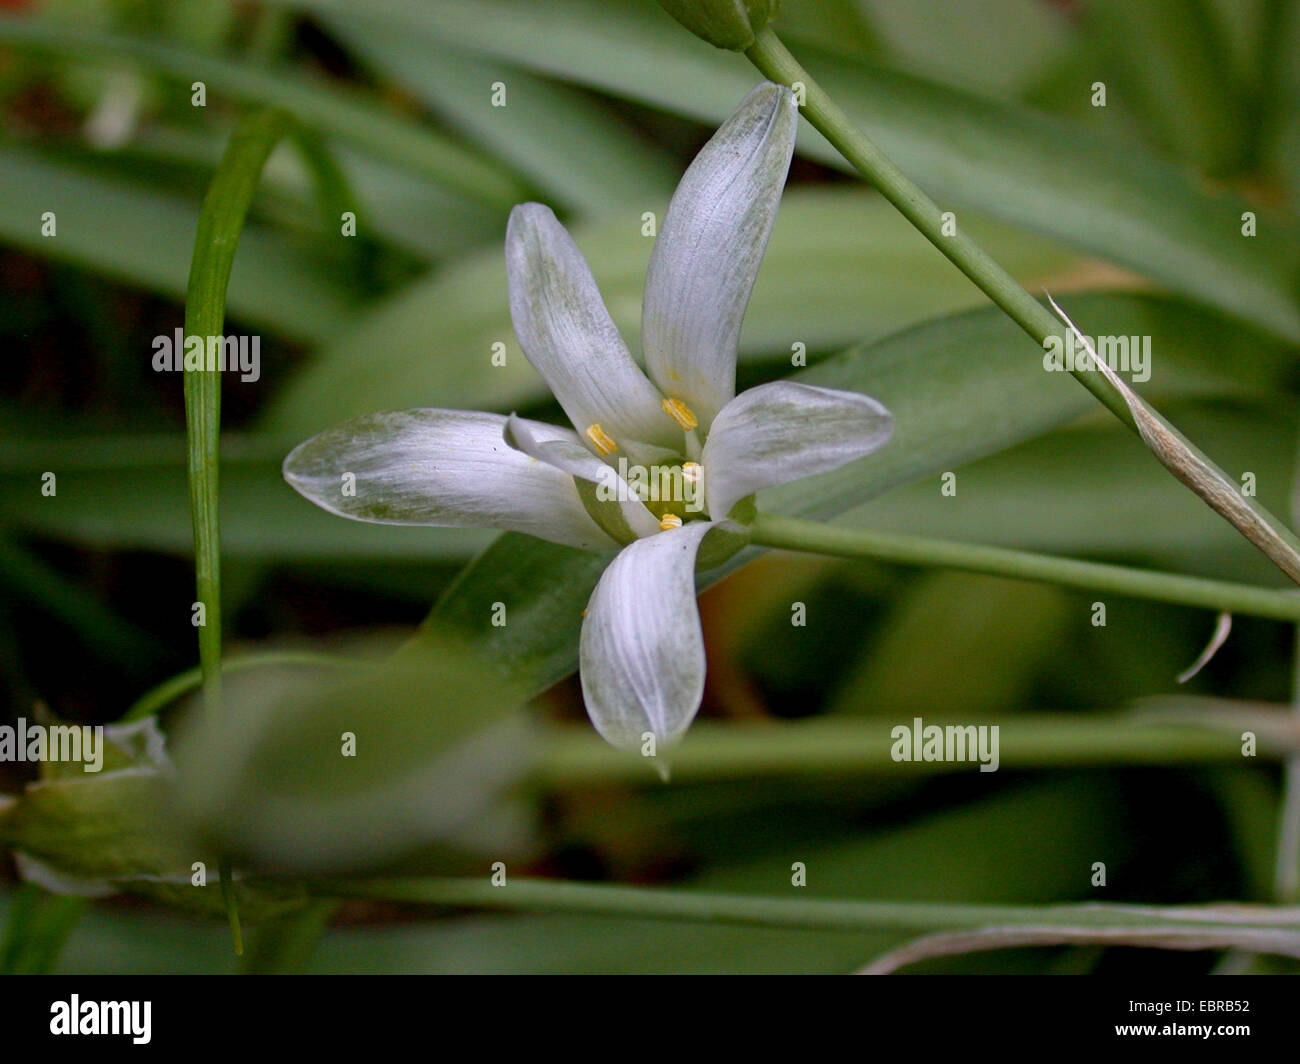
570 456
569 337
783 431
441 467
642 650
706 258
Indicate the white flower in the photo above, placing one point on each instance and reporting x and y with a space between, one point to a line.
642 651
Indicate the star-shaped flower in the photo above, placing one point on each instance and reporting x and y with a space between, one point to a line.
661 458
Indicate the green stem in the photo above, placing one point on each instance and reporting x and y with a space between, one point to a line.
539 895
1178 455
571 757
220 222
790 533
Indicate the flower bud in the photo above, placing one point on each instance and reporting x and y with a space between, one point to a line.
730 24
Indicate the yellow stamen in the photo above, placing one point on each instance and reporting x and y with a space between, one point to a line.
602 441
681 413
668 522
691 472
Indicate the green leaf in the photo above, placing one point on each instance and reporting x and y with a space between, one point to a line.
977 620
573 149
1088 491
971 384
1157 58
393 206
841 24
934 40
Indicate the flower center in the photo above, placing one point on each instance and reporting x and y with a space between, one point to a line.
673 491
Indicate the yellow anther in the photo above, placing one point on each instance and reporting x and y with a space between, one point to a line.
681 413
602 441
691 472
668 522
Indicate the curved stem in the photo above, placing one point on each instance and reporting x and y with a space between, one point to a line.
183 683
1182 458
790 533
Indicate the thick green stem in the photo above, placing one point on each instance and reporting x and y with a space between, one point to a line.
220 223
572 757
1178 455
790 533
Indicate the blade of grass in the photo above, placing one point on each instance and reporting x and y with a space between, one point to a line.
220 223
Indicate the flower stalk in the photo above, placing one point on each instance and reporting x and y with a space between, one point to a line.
541 895
789 533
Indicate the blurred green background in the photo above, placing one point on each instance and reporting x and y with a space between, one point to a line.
1130 213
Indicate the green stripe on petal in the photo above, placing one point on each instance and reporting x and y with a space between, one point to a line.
441 467
642 648
706 258
784 431
568 336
